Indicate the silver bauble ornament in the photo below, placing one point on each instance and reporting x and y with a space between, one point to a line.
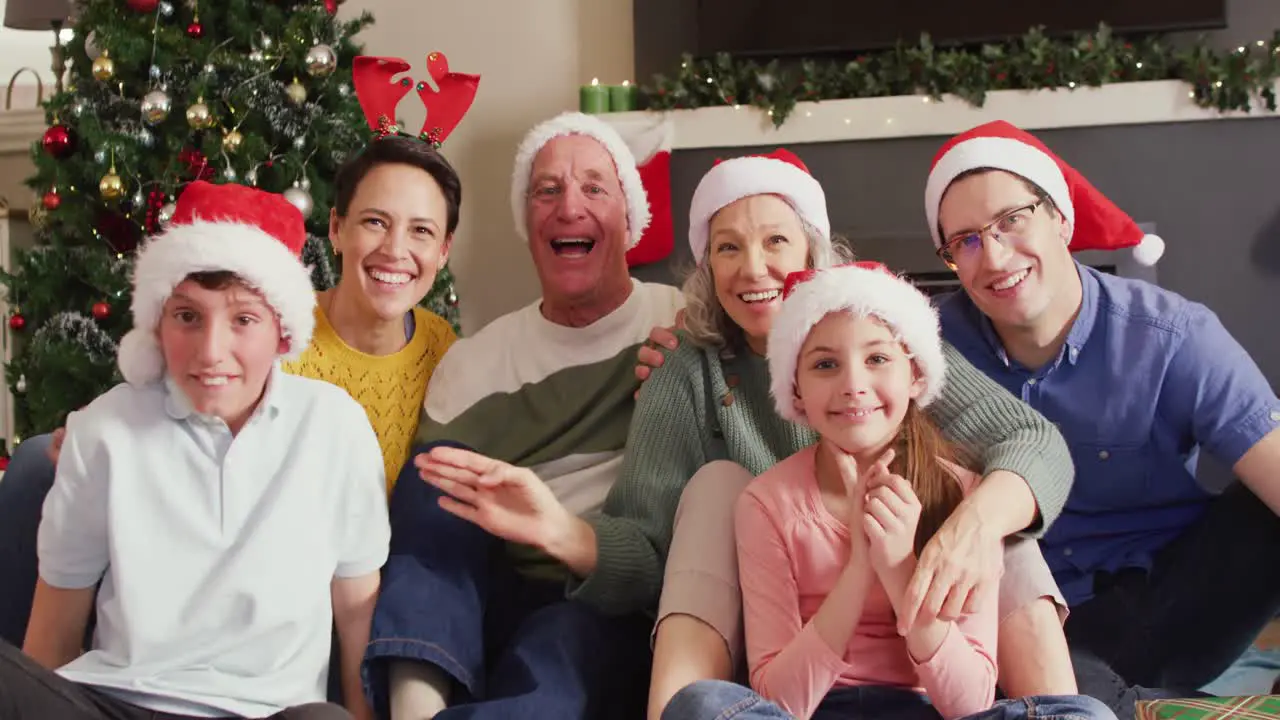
21 385
300 199
91 45
321 60
155 107
166 213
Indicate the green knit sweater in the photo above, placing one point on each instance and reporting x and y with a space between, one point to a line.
679 426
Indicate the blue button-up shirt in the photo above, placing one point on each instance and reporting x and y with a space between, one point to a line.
1145 378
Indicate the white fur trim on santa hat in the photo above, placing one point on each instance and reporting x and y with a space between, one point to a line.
1149 250
863 292
740 177
998 153
574 123
259 259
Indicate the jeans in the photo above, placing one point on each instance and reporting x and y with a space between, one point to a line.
1208 595
513 646
28 691
719 700
22 492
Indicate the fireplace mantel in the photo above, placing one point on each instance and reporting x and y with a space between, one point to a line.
1163 101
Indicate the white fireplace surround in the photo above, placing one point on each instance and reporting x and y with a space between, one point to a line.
882 118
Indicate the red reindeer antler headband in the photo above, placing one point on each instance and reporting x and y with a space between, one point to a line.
446 105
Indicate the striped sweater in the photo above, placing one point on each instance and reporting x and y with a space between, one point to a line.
555 399
697 408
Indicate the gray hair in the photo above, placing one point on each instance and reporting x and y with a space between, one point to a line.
705 320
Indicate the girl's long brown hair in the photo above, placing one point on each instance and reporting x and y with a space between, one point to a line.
921 450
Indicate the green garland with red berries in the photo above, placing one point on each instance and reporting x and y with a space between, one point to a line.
1226 80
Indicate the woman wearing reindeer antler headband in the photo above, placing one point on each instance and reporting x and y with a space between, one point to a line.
395 211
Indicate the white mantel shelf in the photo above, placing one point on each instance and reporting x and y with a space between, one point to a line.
1137 103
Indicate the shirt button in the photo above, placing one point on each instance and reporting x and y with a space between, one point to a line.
1103 455
1275 416
1032 381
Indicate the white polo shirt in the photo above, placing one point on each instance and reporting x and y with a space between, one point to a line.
215 553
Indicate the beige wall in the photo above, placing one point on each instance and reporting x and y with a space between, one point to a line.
533 55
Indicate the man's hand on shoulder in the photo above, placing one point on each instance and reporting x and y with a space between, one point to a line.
650 356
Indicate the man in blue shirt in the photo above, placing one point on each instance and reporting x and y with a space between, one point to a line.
1168 584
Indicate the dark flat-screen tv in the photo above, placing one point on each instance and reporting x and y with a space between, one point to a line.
781 28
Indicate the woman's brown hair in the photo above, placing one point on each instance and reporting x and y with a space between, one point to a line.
920 454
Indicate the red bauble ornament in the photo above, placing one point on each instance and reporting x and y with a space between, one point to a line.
142 6
101 310
51 200
195 31
57 141
17 322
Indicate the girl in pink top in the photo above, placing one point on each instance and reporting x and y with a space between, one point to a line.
827 539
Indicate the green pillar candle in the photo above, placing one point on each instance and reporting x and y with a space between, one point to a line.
622 98
594 98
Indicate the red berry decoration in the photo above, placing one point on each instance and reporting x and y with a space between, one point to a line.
142 6
195 31
17 322
51 200
101 310
57 141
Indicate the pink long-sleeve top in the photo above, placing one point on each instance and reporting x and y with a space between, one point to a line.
791 550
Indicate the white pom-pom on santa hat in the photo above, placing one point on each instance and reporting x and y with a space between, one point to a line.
1096 222
256 235
576 123
866 289
778 173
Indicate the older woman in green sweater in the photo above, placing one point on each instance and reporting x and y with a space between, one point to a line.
705 425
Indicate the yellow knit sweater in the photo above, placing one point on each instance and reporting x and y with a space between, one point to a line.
389 387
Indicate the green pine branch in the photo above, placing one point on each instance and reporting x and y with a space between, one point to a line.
1230 80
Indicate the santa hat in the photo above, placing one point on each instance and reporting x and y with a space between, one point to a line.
1097 224
575 123
866 289
779 173
255 234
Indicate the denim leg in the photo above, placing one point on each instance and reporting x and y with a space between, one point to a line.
1096 679
22 492
563 660
1046 707
720 700
434 592
1206 599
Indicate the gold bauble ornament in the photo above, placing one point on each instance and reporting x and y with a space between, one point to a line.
199 116
155 106
297 92
104 67
232 140
111 187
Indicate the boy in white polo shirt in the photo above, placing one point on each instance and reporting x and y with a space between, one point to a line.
232 513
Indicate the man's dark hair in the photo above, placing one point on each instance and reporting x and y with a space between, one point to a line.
397 150
215 279
1032 188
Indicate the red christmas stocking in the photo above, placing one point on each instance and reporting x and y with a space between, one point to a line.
650 142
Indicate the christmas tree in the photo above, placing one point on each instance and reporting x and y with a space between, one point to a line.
162 93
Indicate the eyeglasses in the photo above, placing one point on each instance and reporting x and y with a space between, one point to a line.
1007 229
